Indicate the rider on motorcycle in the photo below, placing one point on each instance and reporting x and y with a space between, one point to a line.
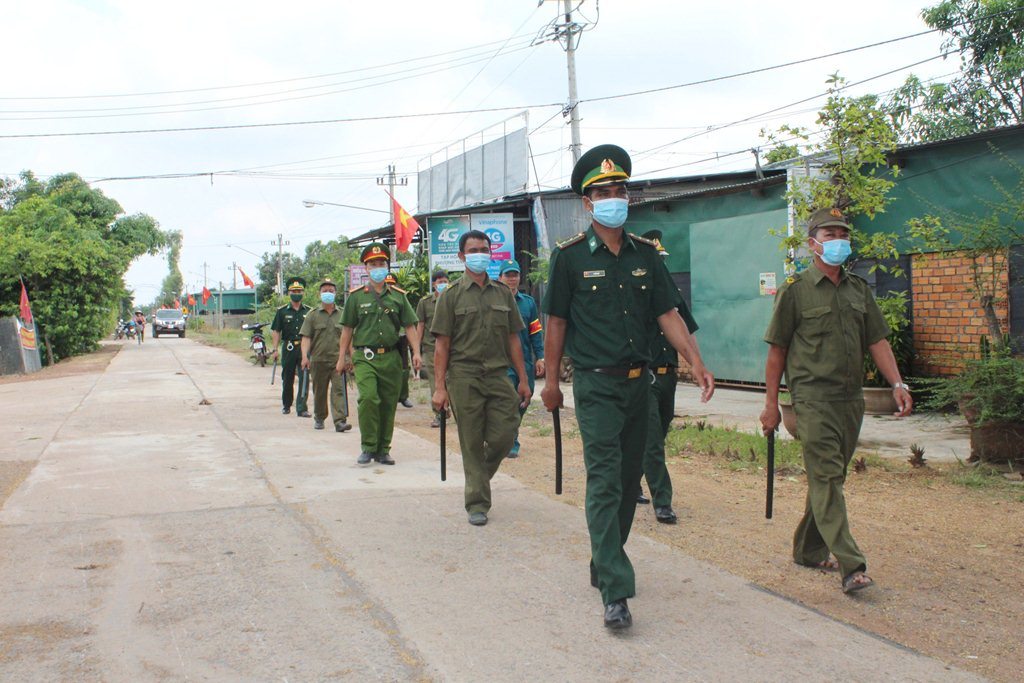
140 325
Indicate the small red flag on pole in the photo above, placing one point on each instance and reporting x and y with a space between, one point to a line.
206 295
191 300
405 226
24 309
246 280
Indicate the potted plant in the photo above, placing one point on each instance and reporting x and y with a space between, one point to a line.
992 388
878 398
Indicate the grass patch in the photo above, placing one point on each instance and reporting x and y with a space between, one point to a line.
984 477
741 450
236 341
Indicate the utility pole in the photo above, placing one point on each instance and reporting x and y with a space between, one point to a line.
234 275
280 244
205 266
391 181
570 30
220 307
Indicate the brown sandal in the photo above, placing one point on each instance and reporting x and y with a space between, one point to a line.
856 581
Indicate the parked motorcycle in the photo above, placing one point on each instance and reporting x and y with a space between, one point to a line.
257 343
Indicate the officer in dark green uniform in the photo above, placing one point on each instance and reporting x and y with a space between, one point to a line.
320 333
605 288
425 314
285 329
476 329
373 317
402 348
825 318
664 368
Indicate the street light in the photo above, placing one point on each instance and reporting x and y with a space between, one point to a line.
310 203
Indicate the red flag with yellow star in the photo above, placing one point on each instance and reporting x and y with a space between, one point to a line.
405 226
246 280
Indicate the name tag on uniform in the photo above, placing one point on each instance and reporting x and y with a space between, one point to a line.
593 273
640 272
366 305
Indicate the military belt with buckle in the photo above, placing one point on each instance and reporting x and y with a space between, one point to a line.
631 371
371 352
662 369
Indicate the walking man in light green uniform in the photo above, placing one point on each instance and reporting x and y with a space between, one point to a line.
476 329
320 333
824 320
373 317
605 288
286 330
425 314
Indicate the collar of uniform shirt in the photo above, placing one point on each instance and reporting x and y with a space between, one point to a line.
595 242
817 274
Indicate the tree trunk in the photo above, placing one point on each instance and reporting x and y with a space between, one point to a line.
995 331
49 349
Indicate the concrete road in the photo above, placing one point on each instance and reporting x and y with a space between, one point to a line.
160 539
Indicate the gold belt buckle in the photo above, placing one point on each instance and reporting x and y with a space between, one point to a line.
662 371
634 373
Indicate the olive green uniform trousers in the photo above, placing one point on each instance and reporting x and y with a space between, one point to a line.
327 384
379 380
828 434
612 414
659 418
486 409
291 363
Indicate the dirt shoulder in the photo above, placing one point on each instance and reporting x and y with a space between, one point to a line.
948 560
97 361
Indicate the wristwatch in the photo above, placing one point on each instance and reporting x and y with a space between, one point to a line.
900 385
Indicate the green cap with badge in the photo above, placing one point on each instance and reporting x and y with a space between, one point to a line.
602 165
509 265
827 218
296 284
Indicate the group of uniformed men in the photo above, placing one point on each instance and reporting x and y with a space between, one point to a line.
613 308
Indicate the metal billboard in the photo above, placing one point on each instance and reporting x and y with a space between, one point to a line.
488 165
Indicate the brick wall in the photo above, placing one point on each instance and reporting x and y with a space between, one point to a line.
948 321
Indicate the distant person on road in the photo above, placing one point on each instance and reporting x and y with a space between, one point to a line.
824 319
606 288
320 333
425 314
287 330
476 328
140 326
374 316
531 338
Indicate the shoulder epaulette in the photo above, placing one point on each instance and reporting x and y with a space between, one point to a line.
281 308
355 289
571 241
399 289
638 238
850 273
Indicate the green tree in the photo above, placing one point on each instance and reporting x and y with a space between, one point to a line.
65 240
171 287
988 35
291 265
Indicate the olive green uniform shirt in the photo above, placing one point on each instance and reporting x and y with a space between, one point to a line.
826 329
377 323
479 321
610 302
288 321
425 314
324 332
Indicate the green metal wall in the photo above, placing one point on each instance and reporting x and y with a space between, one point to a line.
728 256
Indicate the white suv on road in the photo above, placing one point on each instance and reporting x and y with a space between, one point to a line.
168 321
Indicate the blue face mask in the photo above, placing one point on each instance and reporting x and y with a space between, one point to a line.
378 274
441 286
477 262
611 213
327 297
835 252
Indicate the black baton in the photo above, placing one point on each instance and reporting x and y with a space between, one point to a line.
443 417
770 493
558 451
273 371
304 382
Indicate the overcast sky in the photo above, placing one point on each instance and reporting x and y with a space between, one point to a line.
124 65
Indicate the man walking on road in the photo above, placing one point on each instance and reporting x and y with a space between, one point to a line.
605 289
476 325
320 333
425 314
824 319
286 329
531 338
374 316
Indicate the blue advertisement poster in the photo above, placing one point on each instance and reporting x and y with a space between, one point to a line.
445 232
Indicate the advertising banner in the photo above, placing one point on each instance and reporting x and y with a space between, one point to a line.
445 232
358 275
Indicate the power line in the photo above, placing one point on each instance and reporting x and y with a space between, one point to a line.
261 83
